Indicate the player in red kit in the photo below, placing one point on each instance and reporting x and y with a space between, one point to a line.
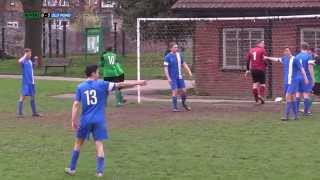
256 65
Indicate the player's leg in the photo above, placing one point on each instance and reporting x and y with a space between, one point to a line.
183 93
82 133
262 86
20 105
71 170
33 102
100 164
121 79
255 85
287 107
100 134
306 104
174 94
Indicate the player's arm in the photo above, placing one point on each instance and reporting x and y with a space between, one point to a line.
22 58
311 70
248 65
127 85
303 72
186 67
273 59
166 69
75 113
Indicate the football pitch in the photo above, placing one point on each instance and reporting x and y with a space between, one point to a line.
148 142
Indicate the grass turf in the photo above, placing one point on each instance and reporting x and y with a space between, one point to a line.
248 146
151 66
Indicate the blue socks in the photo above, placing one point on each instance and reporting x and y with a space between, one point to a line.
100 164
33 105
74 159
307 105
294 108
174 102
288 108
20 108
297 104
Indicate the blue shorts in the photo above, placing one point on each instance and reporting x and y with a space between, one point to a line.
304 88
177 84
290 88
98 131
28 90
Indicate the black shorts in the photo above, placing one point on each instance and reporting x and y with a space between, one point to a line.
316 89
115 79
258 76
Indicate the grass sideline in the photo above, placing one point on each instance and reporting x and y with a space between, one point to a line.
250 146
151 66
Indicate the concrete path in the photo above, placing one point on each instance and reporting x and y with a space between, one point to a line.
153 85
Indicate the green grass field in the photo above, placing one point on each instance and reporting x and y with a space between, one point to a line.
151 66
147 142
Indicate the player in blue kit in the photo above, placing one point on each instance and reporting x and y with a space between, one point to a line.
28 83
307 62
173 63
92 95
291 70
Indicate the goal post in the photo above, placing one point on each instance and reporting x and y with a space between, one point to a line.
152 30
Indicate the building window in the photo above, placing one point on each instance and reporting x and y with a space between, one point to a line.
236 44
311 36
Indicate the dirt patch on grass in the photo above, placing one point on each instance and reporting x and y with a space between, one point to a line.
151 113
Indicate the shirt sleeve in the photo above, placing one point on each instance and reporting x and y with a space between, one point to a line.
77 96
311 60
166 60
110 86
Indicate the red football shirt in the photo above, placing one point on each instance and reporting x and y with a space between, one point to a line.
256 58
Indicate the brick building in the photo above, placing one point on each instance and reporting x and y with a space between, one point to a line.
220 46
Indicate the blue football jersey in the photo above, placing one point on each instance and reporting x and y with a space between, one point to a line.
93 96
174 63
27 71
305 59
291 69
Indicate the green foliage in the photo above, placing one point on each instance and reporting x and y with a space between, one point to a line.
130 10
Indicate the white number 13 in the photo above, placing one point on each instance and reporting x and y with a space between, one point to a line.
91 97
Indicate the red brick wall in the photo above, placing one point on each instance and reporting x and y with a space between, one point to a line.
212 80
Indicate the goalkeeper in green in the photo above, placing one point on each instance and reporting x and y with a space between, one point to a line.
112 71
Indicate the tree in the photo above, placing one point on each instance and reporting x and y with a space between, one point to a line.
33 27
130 10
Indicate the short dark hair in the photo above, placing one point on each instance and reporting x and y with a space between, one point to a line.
304 46
91 69
172 44
109 49
27 50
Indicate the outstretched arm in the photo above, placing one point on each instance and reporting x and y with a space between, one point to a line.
126 85
274 59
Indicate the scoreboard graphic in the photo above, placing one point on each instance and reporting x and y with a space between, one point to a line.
49 15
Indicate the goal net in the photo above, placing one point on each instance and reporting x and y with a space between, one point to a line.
216 49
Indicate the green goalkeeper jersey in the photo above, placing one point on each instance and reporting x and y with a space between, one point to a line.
317 73
110 65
